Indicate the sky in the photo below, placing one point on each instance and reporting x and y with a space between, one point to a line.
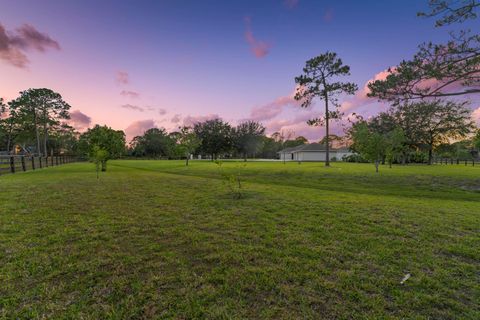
133 65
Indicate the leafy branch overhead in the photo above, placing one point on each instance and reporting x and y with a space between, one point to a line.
437 70
451 11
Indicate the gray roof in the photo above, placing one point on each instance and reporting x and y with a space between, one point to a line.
311 147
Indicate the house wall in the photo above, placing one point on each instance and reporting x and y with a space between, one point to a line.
312 156
287 155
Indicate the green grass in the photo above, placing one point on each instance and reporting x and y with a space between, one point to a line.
154 239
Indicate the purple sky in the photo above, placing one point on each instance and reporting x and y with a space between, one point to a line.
137 64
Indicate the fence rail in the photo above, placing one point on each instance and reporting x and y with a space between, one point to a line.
454 161
12 164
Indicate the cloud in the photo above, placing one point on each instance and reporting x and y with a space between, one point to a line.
290 4
130 94
328 15
79 120
273 108
13 45
176 118
476 116
132 107
192 120
137 128
162 111
122 77
259 48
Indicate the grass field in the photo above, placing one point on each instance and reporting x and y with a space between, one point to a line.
154 239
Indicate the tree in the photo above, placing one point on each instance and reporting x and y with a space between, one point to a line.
476 140
187 142
216 136
451 11
43 108
396 146
247 138
318 81
432 123
436 70
154 142
99 156
370 144
103 137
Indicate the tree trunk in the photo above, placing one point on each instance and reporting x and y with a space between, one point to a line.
186 162
9 141
37 135
45 130
104 165
376 165
430 155
245 157
327 140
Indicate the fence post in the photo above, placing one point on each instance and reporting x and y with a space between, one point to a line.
52 160
24 167
12 164
40 162
33 162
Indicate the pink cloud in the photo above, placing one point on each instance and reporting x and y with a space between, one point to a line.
162 111
192 120
476 116
130 94
122 77
132 107
79 120
273 109
137 128
13 45
259 48
328 15
290 4
176 118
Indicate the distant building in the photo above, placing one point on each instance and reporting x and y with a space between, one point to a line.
312 152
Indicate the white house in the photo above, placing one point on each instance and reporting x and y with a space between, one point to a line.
312 152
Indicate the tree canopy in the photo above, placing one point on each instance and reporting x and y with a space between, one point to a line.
319 80
216 136
451 11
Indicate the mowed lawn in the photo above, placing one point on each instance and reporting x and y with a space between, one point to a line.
155 239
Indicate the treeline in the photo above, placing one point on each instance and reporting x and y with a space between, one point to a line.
416 132
37 123
212 139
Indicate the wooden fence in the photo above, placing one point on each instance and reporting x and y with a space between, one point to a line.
12 164
470 162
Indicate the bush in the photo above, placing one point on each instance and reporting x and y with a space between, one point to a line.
354 158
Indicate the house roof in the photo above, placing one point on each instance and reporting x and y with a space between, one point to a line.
311 147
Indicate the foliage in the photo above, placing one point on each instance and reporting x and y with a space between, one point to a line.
43 110
99 156
436 70
451 11
216 137
155 142
104 138
231 179
396 145
428 124
370 144
247 138
187 142
319 81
